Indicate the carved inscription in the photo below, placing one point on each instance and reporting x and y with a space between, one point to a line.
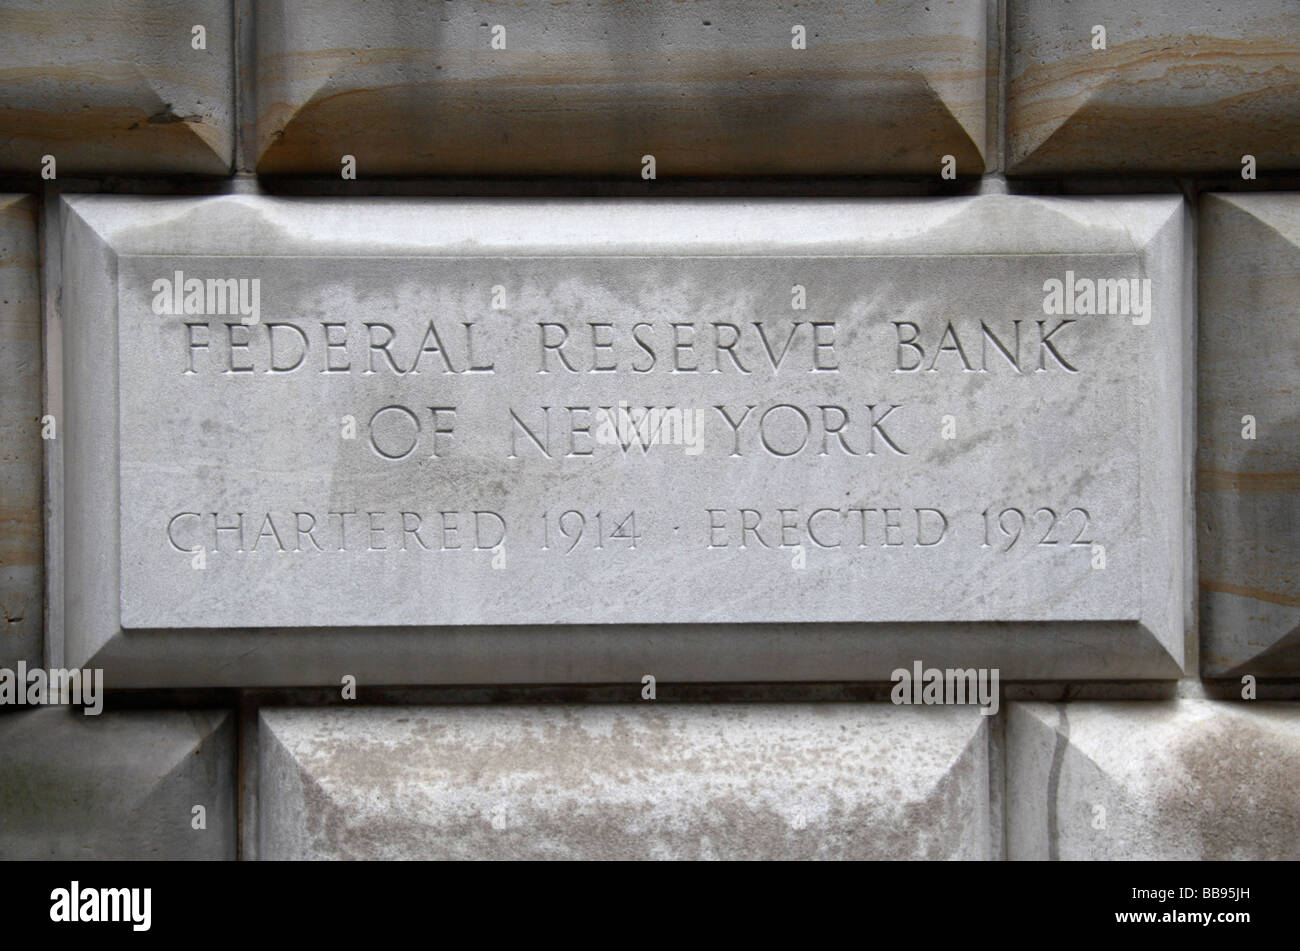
604 440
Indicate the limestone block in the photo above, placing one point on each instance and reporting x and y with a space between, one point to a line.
120 785
1248 478
117 86
1186 87
21 549
1172 781
677 781
715 87
413 441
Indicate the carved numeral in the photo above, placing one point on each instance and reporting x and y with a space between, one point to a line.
1003 529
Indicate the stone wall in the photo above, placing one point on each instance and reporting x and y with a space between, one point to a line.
673 430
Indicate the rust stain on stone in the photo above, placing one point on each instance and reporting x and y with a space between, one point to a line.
1219 480
1128 107
1247 591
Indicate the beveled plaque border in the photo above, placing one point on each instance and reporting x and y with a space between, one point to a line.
82 368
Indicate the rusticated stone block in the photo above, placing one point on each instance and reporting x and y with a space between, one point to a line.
1189 86
715 87
1248 479
610 782
120 785
21 549
117 86
1178 780
248 375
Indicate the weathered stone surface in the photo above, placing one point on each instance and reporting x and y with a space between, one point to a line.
707 88
1178 780
116 86
977 550
1190 86
116 786
21 551
1248 489
674 781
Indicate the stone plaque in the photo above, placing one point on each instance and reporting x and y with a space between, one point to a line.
630 439
444 415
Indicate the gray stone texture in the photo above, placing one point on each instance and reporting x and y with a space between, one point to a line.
117 86
670 781
21 549
1178 780
1189 86
1248 489
707 88
120 785
1103 439
481 749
